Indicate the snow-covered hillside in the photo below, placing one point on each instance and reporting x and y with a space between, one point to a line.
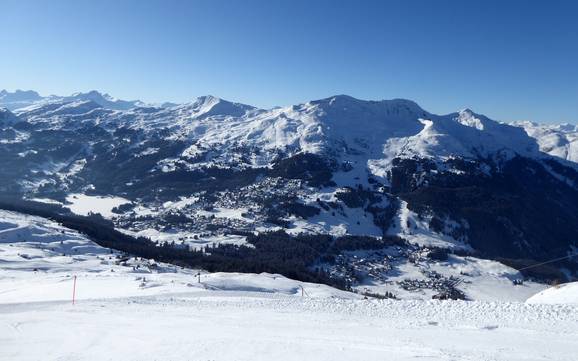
558 140
38 259
36 253
137 309
566 294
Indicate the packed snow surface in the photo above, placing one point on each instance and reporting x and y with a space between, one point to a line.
216 325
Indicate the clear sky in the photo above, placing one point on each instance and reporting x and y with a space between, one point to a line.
508 59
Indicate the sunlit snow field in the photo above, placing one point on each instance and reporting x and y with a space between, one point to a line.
239 325
135 309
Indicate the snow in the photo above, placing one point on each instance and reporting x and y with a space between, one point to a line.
73 169
487 280
236 213
566 293
369 134
46 200
156 235
188 238
482 280
25 99
337 223
18 98
464 134
559 140
182 203
148 151
19 137
83 204
135 309
373 132
38 258
34 244
124 282
218 239
214 325
410 226
208 105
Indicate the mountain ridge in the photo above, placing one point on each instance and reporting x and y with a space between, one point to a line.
373 175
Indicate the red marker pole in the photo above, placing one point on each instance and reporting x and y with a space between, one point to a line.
74 290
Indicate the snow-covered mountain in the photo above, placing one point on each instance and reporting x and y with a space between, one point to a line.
341 125
558 140
18 98
25 98
338 124
390 182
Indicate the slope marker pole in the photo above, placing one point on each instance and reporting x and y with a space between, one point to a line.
74 291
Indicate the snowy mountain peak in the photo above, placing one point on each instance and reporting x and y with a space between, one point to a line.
93 95
345 117
338 100
104 100
468 118
206 101
385 107
209 105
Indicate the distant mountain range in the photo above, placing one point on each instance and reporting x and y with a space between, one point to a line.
24 98
212 172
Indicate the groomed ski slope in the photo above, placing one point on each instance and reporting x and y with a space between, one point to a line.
135 309
237 325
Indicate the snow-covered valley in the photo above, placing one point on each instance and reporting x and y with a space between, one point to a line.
138 309
339 228
38 253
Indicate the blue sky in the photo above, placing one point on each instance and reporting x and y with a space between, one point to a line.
510 59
